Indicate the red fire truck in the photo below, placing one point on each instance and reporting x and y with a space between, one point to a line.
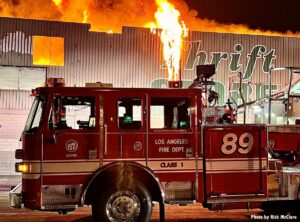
120 149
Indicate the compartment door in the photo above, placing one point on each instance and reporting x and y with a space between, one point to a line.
235 163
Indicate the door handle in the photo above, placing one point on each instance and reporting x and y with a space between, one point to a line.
53 139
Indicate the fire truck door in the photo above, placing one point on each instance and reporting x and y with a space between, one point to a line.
235 163
172 137
124 118
72 144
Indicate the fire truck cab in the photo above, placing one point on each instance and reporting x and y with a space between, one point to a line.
120 149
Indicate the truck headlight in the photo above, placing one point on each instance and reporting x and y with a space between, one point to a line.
22 167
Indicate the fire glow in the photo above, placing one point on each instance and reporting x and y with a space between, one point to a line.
57 2
106 15
172 34
110 16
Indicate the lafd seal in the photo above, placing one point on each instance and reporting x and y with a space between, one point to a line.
137 146
71 146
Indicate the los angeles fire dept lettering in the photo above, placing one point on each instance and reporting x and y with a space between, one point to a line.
173 149
171 141
166 149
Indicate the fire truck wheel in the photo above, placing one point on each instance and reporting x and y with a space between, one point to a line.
130 203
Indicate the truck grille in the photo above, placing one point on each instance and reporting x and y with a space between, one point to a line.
56 196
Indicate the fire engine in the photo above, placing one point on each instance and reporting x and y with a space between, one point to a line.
121 149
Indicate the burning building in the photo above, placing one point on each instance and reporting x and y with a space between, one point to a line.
32 50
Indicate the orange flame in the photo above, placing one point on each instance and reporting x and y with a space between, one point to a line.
85 16
57 2
105 15
172 36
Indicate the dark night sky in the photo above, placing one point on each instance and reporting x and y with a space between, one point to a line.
274 15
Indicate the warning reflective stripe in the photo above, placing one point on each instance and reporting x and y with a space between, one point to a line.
230 159
170 165
70 167
236 171
61 167
76 166
33 176
233 164
176 171
159 165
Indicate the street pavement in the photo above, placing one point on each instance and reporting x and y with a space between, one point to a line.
174 213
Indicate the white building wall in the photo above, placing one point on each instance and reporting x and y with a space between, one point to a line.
12 123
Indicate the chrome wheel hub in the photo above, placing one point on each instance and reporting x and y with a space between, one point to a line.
123 206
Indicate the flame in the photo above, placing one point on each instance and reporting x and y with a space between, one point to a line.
104 15
57 2
85 16
110 15
173 32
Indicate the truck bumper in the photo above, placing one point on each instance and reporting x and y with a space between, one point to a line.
15 196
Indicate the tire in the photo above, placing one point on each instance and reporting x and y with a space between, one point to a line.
126 202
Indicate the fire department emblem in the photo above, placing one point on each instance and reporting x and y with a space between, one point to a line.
137 146
71 146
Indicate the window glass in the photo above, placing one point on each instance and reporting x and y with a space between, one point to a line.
73 113
157 119
35 115
129 113
170 113
21 78
48 51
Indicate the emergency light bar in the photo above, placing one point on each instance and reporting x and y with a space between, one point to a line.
55 82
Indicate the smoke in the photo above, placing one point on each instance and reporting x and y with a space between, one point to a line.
189 16
111 15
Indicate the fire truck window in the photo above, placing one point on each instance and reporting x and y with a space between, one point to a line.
73 113
129 113
35 115
170 113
